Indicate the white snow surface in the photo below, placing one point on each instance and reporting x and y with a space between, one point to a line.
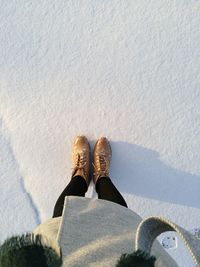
127 70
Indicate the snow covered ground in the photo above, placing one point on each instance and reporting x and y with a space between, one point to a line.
128 70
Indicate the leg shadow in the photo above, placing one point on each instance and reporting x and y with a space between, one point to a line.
137 170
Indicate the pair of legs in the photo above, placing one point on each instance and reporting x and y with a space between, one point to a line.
80 180
78 187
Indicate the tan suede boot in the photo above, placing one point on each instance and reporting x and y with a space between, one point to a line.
102 158
81 158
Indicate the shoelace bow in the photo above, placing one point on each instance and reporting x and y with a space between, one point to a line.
101 169
80 162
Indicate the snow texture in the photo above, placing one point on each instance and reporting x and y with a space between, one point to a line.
128 70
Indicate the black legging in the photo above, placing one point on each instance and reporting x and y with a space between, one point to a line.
78 187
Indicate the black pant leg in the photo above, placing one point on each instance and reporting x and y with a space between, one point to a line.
76 187
106 190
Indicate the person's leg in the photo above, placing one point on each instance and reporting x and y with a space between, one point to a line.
76 187
106 190
103 184
80 175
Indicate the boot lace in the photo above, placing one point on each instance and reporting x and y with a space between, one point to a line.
102 168
80 163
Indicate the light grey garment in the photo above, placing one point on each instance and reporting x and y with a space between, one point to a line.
95 232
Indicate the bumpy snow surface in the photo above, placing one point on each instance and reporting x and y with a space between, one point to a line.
128 70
